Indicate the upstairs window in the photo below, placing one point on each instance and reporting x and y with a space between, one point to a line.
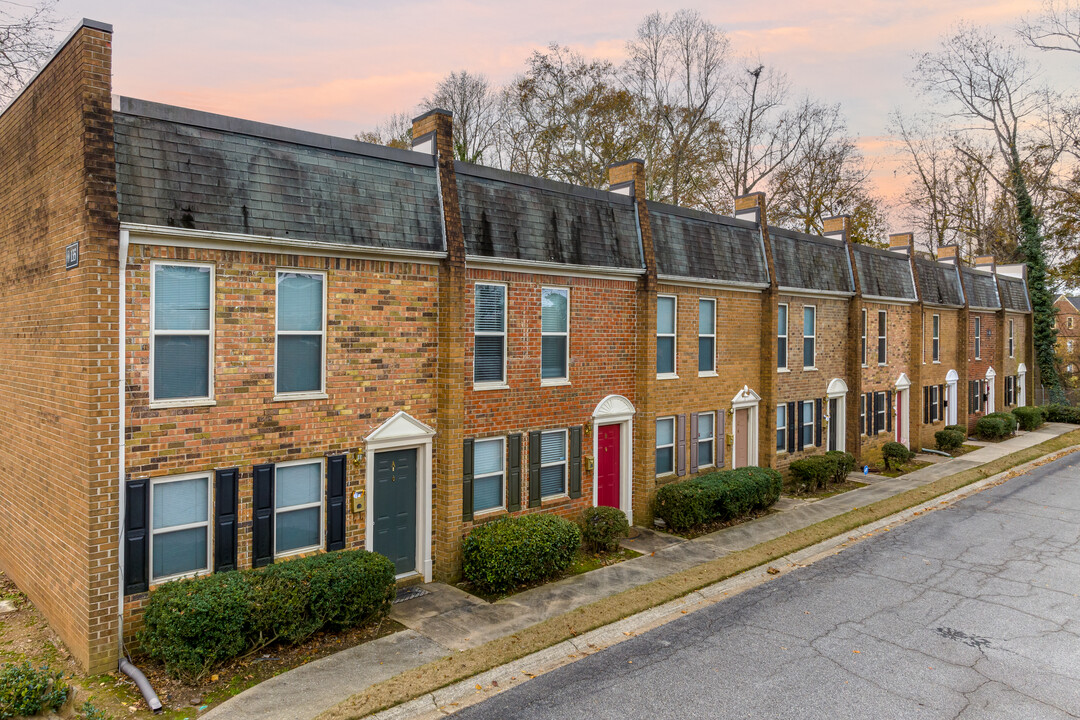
862 344
882 342
665 336
936 338
665 446
978 337
1012 339
706 336
554 333
489 335
781 337
809 349
181 332
300 332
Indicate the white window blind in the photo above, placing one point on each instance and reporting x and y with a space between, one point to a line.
298 507
552 463
665 335
489 328
555 333
180 517
706 336
488 474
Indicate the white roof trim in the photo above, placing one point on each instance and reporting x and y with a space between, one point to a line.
551 268
805 292
745 398
400 427
902 382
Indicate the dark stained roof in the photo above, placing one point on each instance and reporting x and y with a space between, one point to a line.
939 283
980 288
1014 294
184 168
883 273
810 262
518 217
695 244
1075 300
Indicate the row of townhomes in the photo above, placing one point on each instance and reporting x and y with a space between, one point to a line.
226 343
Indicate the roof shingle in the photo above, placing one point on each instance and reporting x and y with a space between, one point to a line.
695 244
980 288
810 262
1014 294
883 273
939 283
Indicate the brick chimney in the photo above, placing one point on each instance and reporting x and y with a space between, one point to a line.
838 227
949 254
902 242
751 207
985 262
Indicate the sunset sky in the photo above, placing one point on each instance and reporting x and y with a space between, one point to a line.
339 67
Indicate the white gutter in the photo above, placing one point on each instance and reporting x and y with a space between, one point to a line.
122 424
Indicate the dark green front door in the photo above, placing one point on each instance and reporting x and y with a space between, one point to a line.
395 508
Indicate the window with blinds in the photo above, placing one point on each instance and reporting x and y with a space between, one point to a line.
488 474
489 334
978 338
298 492
665 446
301 332
937 338
706 436
665 335
706 336
781 428
862 354
182 332
808 423
1012 339
809 351
180 526
552 463
882 338
554 333
781 337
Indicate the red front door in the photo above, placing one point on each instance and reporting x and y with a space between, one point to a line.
607 465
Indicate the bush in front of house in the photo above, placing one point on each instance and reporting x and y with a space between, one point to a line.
813 473
26 690
962 429
508 552
193 625
601 528
1028 418
895 454
717 496
949 440
991 427
1062 414
1008 418
845 464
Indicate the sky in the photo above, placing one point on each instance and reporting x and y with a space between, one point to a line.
340 67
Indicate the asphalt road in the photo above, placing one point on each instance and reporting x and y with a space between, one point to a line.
971 611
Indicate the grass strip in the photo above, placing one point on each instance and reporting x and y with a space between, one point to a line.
459 666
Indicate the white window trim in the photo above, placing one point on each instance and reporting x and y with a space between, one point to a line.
565 462
862 415
154 482
498 508
674 374
304 394
865 320
978 337
565 379
812 424
782 447
154 332
935 346
883 339
785 335
812 337
321 504
673 445
494 384
707 373
711 439
884 413
1012 338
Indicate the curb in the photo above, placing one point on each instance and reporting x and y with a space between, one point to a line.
476 689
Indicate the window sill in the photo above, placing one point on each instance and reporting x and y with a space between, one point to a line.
554 383
809 369
187 402
667 376
173 578
666 475
783 370
708 373
286 397
488 513
935 362
299 551
490 386
550 498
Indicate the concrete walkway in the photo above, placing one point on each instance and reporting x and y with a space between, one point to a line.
448 619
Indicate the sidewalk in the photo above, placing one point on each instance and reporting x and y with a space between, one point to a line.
447 619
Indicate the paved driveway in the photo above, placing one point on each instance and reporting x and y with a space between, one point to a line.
971 611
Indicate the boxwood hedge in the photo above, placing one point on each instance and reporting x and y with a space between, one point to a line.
508 552
717 496
1028 418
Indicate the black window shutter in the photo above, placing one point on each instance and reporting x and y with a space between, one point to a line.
791 427
941 402
799 424
926 404
693 442
575 462
262 512
720 437
971 396
336 468
513 479
137 537
534 468
226 507
817 421
681 463
888 411
466 480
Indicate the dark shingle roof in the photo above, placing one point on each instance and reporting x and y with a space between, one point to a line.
882 273
511 216
695 244
939 283
1075 300
183 168
980 288
810 262
1014 294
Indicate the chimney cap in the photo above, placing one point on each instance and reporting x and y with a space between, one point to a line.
630 161
433 111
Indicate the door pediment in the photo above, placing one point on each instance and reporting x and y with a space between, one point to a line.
401 429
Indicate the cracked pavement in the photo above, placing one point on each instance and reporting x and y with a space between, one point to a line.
969 611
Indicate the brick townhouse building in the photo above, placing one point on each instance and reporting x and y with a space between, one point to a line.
1067 323
228 343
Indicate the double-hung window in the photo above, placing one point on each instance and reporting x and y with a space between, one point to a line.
665 446
180 526
554 334
781 336
706 344
882 339
182 329
1012 339
880 412
937 338
809 347
489 335
934 400
862 345
298 493
301 331
808 423
488 474
978 337
665 336
706 424
552 463
781 427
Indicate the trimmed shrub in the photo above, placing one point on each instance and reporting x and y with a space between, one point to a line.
190 626
1008 418
845 464
718 496
813 472
949 440
895 454
962 429
508 552
601 527
1028 418
1063 414
990 427
26 690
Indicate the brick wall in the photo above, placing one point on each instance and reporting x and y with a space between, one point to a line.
58 340
882 378
935 373
1010 365
988 356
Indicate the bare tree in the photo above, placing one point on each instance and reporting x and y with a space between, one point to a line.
27 36
1057 27
475 107
395 131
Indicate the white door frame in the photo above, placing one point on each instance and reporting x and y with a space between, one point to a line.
1021 392
990 394
903 423
838 391
951 380
750 400
403 432
617 410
